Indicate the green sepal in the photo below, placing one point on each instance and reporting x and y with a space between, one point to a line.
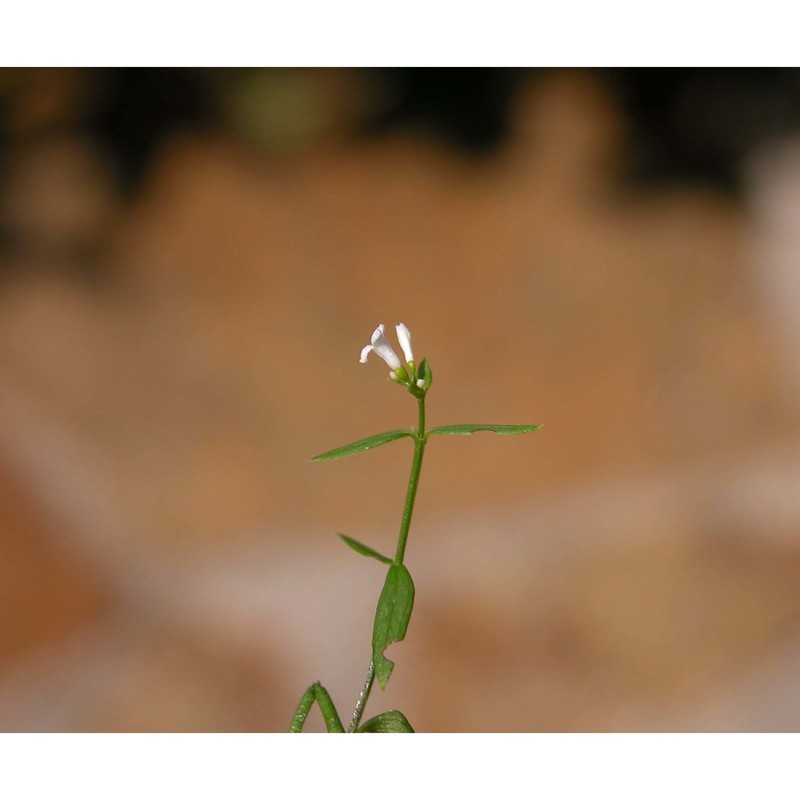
388 722
425 373
362 445
363 550
391 618
466 430
400 376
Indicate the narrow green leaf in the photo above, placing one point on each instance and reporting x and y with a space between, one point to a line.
319 693
391 618
363 550
362 444
333 723
466 430
388 722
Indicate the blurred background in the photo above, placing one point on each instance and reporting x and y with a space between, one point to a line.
190 263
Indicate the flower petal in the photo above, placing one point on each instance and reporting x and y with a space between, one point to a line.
377 333
404 337
380 345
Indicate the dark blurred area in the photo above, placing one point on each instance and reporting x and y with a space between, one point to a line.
190 262
682 126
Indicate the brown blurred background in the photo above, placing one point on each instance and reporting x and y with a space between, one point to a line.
190 262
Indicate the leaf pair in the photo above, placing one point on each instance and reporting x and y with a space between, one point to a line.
362 445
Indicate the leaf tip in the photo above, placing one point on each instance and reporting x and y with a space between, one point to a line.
383 671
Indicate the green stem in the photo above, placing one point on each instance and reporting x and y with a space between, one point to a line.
405 524
362 699
413 482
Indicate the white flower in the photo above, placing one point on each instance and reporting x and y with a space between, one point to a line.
380 346
404 337
406 374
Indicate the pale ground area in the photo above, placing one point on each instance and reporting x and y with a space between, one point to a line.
169 555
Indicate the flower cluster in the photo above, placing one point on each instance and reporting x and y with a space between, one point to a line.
418 380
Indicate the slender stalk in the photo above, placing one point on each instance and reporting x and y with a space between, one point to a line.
413 482
362 699
405 524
